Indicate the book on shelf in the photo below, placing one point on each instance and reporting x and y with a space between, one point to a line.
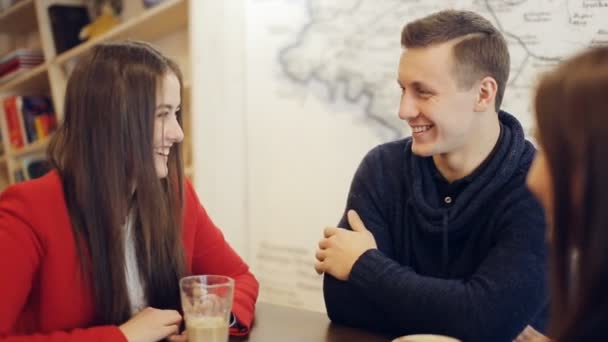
18 61
66 23
28 119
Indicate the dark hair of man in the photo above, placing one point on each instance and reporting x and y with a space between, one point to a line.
480 50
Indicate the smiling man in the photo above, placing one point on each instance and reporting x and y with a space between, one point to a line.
440 234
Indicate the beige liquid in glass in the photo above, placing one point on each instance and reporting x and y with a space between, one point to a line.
207 329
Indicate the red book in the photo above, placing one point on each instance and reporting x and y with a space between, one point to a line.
14 123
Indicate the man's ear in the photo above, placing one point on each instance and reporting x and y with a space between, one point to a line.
486 94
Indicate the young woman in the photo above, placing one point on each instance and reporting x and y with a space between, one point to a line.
94 250
570 178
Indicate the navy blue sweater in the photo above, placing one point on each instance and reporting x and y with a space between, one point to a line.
474 270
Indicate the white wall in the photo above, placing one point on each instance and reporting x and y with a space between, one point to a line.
272 162
218 120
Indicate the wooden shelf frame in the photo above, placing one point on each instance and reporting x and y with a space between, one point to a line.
20 14
155 22
33 148
31 81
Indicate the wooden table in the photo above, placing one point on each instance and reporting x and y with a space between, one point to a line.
279 323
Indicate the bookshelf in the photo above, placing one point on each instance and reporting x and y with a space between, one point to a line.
27 24
35 80
18 15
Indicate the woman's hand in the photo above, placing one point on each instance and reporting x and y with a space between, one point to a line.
150 325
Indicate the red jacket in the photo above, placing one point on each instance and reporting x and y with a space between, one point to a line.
42 295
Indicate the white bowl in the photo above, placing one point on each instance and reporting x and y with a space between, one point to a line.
425 338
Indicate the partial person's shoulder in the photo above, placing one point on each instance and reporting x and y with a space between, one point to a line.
189 192
383 166
192 203
195 215
389 153
526 151
40 191
527 157
515 198
38 204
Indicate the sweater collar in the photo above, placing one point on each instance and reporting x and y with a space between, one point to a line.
498 169
453 189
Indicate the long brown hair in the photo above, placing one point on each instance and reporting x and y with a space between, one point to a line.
482 50
572 116
103 151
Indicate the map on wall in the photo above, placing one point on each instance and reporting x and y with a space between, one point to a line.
350 46
321 92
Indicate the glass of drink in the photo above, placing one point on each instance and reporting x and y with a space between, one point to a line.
207 301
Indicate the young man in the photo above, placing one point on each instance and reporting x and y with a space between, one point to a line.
441 234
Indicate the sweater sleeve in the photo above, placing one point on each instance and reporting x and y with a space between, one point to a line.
345 303
213 255
493 304
21 252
